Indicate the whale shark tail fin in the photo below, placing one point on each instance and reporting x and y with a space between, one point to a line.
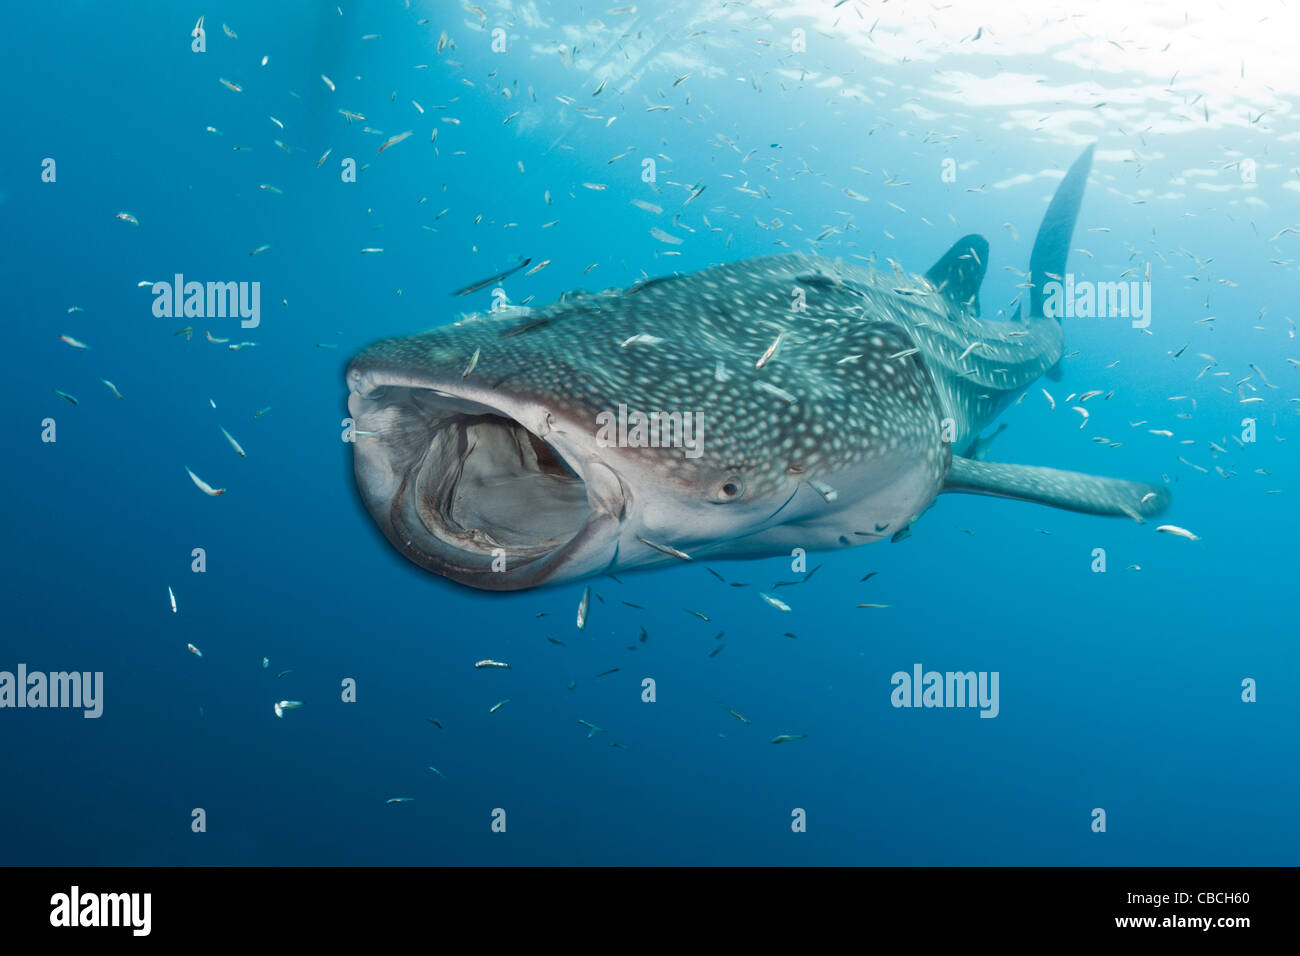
1069 490
1052 244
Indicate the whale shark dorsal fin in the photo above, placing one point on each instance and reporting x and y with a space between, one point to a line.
960 270
1069 490
1052 244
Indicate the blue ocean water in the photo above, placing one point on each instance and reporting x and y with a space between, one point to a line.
1120 690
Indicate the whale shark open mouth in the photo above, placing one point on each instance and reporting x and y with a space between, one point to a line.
464 488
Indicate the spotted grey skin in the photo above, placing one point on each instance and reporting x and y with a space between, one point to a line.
828 400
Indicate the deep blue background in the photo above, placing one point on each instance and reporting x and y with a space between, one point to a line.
1118 690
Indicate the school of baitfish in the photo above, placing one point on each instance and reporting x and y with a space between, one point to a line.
784 467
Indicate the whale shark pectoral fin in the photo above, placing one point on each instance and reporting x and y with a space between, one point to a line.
960 272
1060 489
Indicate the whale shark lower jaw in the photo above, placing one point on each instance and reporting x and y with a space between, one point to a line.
462 487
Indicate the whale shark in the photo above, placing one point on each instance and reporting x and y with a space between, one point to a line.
741 411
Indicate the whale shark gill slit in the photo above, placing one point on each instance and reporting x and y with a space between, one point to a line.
783 505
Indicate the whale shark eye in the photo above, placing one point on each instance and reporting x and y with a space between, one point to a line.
731 489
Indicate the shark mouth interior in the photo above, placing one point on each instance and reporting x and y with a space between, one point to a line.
464 489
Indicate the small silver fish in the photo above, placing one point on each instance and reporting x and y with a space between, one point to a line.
393 141
666 549
641 338
771 351
823 489
203 486
233 444
778 392
582 608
